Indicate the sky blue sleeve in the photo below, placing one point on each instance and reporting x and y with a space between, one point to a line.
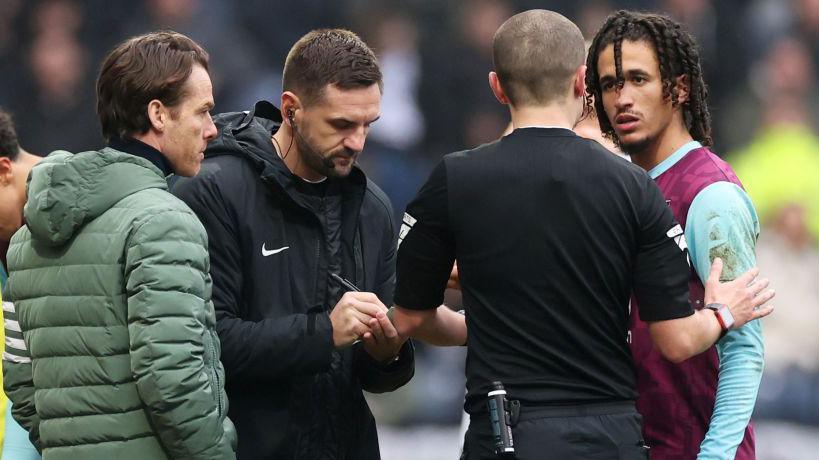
722 222
16 445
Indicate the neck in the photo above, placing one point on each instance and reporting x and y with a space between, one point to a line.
24 162
27 159
284 143
558 114
675 136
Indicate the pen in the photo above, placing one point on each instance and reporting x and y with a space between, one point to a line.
350 287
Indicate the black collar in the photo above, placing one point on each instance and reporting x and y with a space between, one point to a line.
140 149
4 248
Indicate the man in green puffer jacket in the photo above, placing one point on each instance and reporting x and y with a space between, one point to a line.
109 280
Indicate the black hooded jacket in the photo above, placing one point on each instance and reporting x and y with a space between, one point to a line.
273 241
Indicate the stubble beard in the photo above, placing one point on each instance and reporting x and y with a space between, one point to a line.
636 148
322 163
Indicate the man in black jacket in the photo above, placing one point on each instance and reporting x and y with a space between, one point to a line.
293 227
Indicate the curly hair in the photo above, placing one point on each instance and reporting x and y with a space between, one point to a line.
677 54
9 146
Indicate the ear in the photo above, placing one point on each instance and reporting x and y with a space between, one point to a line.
6 174
290 103
497 90
683 91
157 114
580 82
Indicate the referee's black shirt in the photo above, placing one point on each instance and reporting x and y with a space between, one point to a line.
552 234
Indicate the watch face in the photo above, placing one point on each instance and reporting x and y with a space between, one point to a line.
724 316
727 318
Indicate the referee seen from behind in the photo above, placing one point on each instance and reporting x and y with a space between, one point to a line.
552 234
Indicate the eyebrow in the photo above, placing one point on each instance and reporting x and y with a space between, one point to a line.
635 72
351 122
626 74
606 78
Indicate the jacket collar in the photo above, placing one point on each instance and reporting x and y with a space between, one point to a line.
140 149
250 134
4 248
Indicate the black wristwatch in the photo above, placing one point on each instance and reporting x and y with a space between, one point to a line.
724 316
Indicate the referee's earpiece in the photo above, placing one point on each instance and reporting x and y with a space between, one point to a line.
290 113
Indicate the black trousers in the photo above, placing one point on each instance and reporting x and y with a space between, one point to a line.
588 432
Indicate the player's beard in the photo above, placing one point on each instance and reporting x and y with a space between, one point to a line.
636 148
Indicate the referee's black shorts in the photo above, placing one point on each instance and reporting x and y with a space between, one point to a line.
587 432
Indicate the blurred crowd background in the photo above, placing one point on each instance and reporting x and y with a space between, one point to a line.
760 62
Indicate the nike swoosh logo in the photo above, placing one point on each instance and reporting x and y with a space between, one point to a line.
266 253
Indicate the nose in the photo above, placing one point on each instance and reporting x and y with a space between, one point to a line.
210 129
623 99
355 141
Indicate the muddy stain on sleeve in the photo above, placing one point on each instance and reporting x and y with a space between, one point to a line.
724 243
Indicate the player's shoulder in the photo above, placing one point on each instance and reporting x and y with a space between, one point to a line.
718 163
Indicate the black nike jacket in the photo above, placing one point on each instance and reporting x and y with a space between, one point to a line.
272 247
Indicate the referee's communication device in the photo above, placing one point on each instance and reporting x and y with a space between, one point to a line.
501 420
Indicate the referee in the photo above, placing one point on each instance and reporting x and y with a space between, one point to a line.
552 234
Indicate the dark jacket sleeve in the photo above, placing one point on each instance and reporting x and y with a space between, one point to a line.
271 348
374 376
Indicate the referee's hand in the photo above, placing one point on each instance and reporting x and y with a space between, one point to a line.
454 281
745 296
383 343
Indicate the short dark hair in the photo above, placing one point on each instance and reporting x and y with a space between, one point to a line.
677 54
329 57
9 144
535 54
139 70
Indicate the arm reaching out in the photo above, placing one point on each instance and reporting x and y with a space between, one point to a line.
441 326
681 338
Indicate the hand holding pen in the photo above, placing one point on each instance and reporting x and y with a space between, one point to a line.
350 288
351 315
381 339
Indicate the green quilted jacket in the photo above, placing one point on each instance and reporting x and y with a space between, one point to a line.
112 349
